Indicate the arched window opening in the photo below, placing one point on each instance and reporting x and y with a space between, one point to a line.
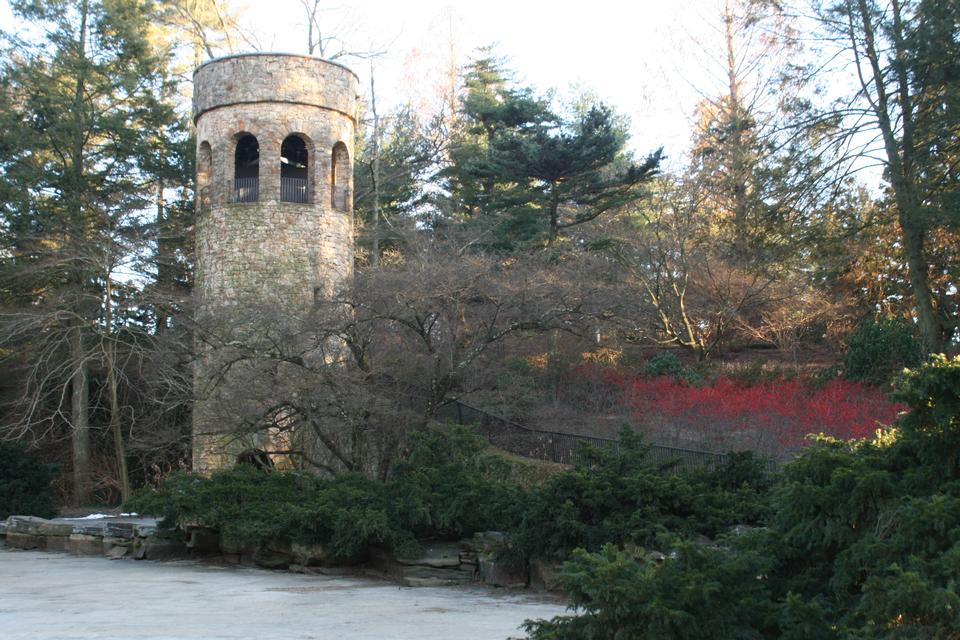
340 178
246 174
204 175
294 177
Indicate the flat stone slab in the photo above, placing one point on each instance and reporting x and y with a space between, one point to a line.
113 526
45 596
33 526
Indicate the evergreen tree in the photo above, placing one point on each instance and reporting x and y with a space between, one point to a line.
84 89
526 171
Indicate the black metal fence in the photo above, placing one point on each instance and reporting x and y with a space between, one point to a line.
293 190
246 189
565 448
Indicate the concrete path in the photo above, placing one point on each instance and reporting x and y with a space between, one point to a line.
50 595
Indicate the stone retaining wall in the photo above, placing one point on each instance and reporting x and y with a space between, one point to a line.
433 564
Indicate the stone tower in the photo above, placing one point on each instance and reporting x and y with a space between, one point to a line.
274 185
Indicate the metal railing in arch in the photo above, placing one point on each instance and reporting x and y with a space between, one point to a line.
246 189
293 190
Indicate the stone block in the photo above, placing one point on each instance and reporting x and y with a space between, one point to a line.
118 551
501 574
423 576
17 540
90 528
155 548
121 530
310 555
85 545
38 526
271 559
57 543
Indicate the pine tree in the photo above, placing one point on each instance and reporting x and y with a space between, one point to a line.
83 91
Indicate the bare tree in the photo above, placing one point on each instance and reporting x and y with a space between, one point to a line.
328 38
339 386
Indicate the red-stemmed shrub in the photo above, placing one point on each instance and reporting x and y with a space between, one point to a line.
770 417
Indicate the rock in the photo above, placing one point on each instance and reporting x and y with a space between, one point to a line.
93 528
545 574
500 574
204 540
423 576
121 530
38 526
435 554
25 541
85 545
310 555
117 552
157 548
145 530
57 543
271 559
3 528
110 546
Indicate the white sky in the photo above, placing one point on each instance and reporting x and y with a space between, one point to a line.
646 58
630 54
636 56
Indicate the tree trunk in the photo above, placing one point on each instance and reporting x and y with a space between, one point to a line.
900 163
79 401
120 451
375 258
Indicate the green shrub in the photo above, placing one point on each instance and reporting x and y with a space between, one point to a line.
880 349
25 484
449 487
248 507
617 496
699 593
667 364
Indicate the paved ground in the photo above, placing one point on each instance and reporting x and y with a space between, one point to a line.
49 595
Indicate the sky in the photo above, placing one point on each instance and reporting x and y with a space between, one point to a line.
635 56
651 60
640 57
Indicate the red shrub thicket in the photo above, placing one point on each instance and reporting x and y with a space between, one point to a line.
770 417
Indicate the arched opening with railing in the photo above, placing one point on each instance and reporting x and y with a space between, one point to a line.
340 197
294 170
204 174
246 169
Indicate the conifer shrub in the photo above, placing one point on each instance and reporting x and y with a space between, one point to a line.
450 487
447 487
25 484
666 364
879 349
618 497
347 514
